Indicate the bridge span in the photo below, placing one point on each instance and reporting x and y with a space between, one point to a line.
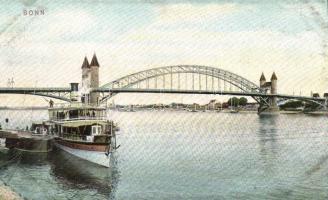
55 92
179 79
212 92
60 93
114 91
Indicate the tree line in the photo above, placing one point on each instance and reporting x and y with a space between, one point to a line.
234 101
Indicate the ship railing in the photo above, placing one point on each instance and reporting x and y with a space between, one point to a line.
74 137
75 104
80 118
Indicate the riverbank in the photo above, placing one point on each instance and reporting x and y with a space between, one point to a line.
7 194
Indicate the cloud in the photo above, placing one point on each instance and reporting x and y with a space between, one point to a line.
184 13
247 53
61 26
71 22
173 37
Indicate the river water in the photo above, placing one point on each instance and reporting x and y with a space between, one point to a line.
183 155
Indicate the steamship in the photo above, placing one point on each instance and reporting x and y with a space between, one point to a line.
83 131
81 128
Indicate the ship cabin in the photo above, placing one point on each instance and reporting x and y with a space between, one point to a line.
81 123
76 112
85 130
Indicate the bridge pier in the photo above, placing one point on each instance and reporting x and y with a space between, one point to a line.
270 110
273 107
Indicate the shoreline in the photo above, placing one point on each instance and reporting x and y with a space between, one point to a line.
288 112
170 109
6 193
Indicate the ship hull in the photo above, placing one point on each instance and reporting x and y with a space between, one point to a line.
96 157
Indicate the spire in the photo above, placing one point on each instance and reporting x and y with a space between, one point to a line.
85 63
274 77
262 77
94 61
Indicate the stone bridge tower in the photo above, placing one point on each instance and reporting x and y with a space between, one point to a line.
94 81
270 88
273 102
85 85
90 79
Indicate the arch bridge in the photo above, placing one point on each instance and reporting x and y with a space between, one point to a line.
179 79
194 79
185 79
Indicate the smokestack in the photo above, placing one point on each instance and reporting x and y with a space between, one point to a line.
74 91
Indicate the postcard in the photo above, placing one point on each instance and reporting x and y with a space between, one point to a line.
163 99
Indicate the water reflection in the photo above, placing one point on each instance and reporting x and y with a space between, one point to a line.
26 158
78 174
267 138
12 156
283 157
69 172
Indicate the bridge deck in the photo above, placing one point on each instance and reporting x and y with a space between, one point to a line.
178 91
32 90
39 91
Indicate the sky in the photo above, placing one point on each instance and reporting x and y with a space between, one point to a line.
245 37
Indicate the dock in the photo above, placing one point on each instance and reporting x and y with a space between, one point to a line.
27 141
13 134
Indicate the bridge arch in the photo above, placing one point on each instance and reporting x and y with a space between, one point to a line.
133 79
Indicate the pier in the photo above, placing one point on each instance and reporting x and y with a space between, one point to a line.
26 141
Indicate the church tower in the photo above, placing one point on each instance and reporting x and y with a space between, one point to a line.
94 79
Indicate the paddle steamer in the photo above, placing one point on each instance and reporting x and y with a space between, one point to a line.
83 131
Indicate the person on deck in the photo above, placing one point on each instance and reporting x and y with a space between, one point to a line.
51 103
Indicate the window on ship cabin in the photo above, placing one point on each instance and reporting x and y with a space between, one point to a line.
96 130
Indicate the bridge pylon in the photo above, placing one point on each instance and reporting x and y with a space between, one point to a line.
269 88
